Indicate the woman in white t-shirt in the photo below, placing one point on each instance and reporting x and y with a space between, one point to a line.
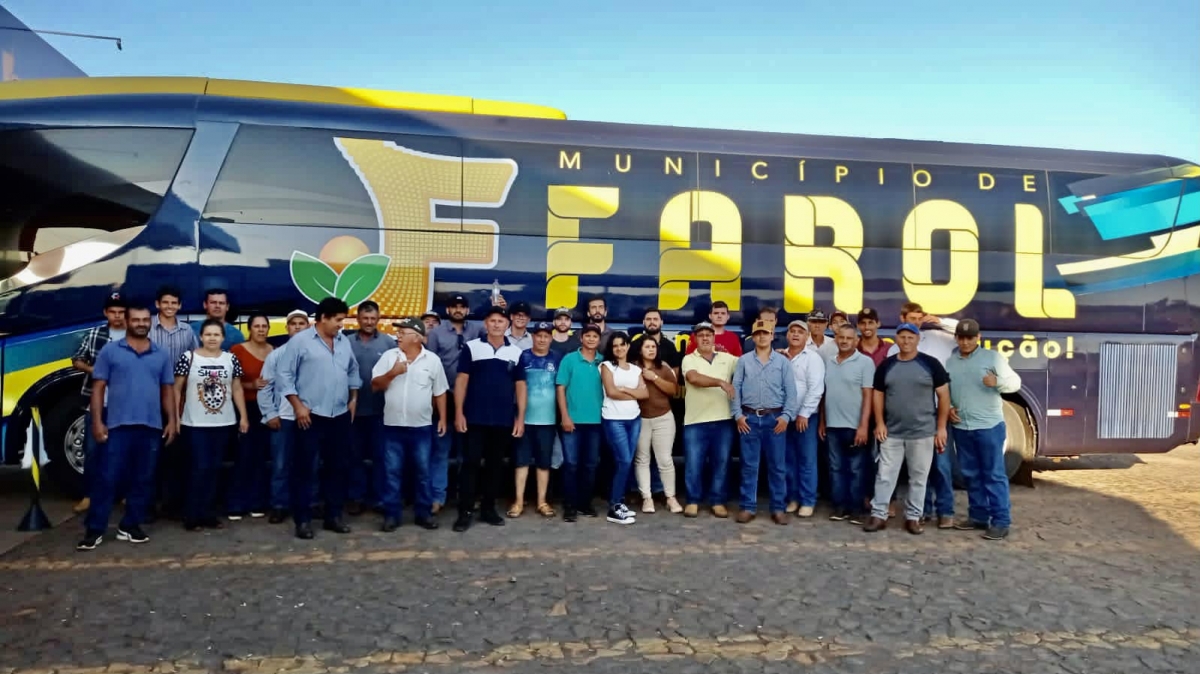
208 391
620 414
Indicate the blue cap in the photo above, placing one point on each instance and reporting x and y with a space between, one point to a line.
543 327
908 326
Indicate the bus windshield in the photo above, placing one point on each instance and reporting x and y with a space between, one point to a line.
69 197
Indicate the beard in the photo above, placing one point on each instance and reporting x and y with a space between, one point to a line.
597 318
653 331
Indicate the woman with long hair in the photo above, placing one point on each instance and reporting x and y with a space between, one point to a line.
251 471
658 425
623 388
208 391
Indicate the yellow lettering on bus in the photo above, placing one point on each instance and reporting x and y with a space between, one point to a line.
628 163
921 178
804 261
802 170
880 175
679 265
566 257
673 165
840 172
407 186
919 226
986 181
1032 299
569 161
1029 182
716 168
755 170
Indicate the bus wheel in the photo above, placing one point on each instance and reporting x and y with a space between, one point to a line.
1020 443
64 437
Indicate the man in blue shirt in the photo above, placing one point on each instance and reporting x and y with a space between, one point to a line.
764 403
368 344
447 341
489 413
318 375
216 305
536 447
141 378
977 378
845 423
278 416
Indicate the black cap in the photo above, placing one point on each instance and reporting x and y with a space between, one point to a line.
818 315
967 327
412 324
496 311
868 314
115 300
592 327
521 308
563 311
458 299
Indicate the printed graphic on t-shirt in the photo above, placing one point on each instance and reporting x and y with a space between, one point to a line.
207 391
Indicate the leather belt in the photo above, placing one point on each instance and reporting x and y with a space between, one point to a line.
761 412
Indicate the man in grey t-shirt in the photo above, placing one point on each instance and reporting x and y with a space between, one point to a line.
908 426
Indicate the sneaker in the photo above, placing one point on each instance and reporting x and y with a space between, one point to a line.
996 533
569 515
132 534
838 515
648 505
257 515
970 525
619 514
235 517
805 511
859 518
463 522
90 540
673 505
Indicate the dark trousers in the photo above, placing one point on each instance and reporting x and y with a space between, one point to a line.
251 470
487 445
581 456
326 437
206 448
366 482
124 463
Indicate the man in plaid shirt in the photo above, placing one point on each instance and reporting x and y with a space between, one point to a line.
85 357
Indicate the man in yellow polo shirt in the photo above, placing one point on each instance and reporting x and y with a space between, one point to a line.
707 421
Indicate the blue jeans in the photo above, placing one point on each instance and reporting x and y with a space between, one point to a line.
622 435
802 478
126 460
847 469
282 442
366 484
403 444
762 440
706 442
939 497
206 448
981 458
443 447
581 456
251 471
91 450
324 438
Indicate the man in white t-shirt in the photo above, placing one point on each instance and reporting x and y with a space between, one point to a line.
280 417
414 382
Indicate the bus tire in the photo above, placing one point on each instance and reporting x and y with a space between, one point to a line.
63 434
1020 443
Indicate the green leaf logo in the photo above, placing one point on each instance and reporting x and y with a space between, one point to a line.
316 280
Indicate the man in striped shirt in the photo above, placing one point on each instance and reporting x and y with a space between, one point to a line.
176 338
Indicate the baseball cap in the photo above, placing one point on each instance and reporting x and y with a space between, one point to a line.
591 327
868 314
967 327
432 313
411 324
496 311
703 325
457 299
520 308
296 312
543 327
818 315
115 300
839 313
562 311
908 326
798 324
762 326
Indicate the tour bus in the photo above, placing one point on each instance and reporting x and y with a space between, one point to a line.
1080 266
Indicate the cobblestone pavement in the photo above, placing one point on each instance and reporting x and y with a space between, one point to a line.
1098 576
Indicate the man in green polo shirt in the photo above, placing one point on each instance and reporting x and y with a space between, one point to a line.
580 397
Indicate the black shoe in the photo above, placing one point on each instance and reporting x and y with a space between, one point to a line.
463 522
354 508
427 523
859 518
569 515
390 524
212 523
588 511
493 518
838 515
996 533
336 526
90 540
278 515
970 525
304 531
132 534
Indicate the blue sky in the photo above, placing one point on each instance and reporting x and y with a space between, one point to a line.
1097 74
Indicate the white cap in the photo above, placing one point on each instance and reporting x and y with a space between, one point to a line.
297 312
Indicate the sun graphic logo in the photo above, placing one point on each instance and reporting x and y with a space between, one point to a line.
345 268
